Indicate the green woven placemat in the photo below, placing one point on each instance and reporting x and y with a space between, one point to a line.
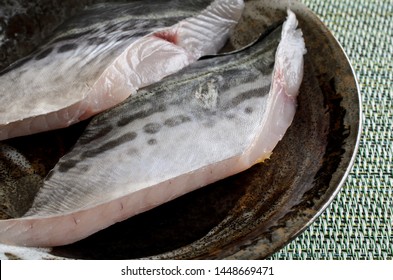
358 224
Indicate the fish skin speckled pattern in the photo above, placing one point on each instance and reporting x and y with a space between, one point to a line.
97 59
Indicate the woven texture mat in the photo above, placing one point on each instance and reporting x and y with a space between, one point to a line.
358 224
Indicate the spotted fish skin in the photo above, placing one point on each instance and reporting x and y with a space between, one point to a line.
211 120
105 54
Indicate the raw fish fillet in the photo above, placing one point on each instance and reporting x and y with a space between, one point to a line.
104 55
213 119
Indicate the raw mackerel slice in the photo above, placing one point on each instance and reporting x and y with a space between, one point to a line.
105 54
211 120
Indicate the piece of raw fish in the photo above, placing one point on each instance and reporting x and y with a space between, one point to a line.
213 119
105 54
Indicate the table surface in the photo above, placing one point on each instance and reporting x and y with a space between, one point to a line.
358 224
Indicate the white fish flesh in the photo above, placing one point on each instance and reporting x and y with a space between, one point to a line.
213 119
105 54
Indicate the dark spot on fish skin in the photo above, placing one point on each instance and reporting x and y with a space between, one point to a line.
140 115
72 36
177 120
248 110
152 128
138 25
245 96
67 165
111 28
67 47
124 37
110 145
161 108
139 34
127 120
127 28
101 133
152 142
97 41
43 54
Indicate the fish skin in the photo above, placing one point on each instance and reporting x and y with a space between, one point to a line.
105 55
207 122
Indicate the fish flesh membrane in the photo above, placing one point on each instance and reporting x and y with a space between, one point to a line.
215 118
99 58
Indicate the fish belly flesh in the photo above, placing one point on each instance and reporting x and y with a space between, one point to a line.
213 119
102 56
